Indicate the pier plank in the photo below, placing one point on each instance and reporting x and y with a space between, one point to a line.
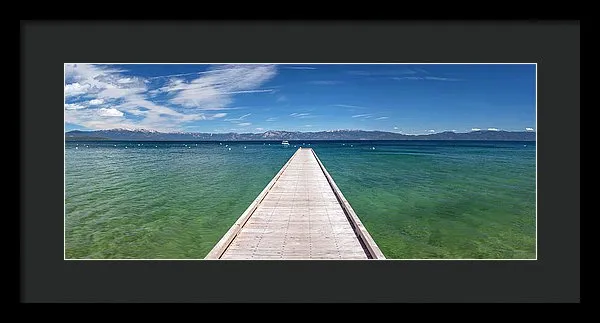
301 214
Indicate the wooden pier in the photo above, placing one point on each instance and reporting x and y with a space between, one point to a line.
300 214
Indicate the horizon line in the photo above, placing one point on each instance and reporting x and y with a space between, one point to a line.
272 130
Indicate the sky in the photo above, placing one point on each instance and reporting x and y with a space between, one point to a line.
243 98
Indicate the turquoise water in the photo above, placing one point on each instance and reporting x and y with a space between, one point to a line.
418 199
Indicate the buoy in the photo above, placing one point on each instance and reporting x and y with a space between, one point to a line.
244 147
229 148
115 145
76 147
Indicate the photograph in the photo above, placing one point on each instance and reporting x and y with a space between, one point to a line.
300 161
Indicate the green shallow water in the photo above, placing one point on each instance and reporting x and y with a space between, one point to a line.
418 199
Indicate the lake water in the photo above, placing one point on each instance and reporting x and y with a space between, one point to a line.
418 199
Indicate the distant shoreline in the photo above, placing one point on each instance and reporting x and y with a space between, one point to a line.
333 135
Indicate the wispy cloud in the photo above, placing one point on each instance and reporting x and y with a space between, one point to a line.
177 75
438 78
381 118
281 98
418 69
382 73
492 129
415 73
301 115
239 118
431 130
217 115
244 124
475 129
308 125
361 116
395 128
260 129
271 119
299 67
214 91
349 106
529 129
186 102
325 82
430 78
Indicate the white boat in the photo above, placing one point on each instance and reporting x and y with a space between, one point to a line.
285 142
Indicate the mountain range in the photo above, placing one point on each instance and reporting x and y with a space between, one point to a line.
151 135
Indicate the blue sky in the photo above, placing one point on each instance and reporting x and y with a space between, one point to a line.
404 98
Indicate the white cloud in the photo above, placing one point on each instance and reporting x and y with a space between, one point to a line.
110 112
308 125
96 102
88 78
214 90
75 89
103 84
492 129
244 124
431 130
529 129
395 128
271 119
361 116
475 129
260 129
73 106
125 80
381 118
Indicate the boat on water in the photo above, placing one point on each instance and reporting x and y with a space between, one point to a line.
285 143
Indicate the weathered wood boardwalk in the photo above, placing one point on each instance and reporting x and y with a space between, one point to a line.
301 214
